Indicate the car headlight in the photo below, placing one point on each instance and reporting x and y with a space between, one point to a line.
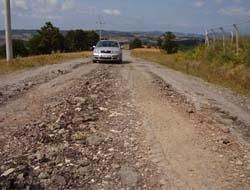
96 51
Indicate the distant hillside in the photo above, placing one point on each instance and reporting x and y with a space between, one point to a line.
147 37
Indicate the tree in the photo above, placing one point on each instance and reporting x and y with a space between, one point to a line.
79 40
159 42
136 43
47 40
92 38
76 40
169 43
19 49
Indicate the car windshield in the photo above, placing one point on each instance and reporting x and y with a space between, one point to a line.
107 44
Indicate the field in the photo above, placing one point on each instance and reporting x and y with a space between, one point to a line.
228 71
36 61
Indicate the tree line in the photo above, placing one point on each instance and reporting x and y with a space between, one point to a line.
166 42
49 40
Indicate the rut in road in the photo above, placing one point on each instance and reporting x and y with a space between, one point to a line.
174 143
177 144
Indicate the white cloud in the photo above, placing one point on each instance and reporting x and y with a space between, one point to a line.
113 12
68 5
199 4
235 11
21 4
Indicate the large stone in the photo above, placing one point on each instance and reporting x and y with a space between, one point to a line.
94 140
43 175
80 100
129 176
8 172
59 180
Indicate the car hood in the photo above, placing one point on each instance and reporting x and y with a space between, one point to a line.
107 48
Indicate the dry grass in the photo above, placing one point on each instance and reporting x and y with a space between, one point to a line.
36 61
235 77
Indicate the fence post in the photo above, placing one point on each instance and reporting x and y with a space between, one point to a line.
206 38
214 40
223 39
237 38
232 37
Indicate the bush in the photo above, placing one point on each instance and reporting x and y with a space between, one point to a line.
136 43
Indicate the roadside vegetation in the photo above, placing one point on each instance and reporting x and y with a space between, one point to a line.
212 64
48 46
49 40
39 60
136 43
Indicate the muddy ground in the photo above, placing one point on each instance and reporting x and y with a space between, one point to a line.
135 125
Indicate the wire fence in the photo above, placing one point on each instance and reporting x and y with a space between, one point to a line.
229 38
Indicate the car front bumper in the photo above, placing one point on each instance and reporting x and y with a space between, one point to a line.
106 57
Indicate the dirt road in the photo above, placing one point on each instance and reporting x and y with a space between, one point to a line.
135 125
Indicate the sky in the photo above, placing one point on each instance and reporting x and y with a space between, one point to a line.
189 16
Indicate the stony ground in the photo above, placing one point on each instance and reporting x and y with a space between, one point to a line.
109 126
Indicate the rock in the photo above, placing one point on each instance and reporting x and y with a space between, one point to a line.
94 140
8 172
59 180
190 110
115 166
60 118
80 100
78 136
77 120
225 141
20 176
29 84
83 171
128 176
225 130
83 162
239 163
1 94
225 121
61 131
78 109
42 125
214 148
43 175
93 96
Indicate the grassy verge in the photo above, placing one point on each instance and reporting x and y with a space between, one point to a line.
36 61
230 75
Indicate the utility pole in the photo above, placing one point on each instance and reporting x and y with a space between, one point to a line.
223 39
237 39
100 23
8 39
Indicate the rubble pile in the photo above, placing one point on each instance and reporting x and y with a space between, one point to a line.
84 139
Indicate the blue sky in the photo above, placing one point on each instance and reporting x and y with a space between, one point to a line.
128 15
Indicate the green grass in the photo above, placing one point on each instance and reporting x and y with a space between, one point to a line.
230 72
40 60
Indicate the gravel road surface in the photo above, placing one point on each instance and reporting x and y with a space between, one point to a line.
136 125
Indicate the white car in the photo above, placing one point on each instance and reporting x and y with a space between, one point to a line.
107 51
